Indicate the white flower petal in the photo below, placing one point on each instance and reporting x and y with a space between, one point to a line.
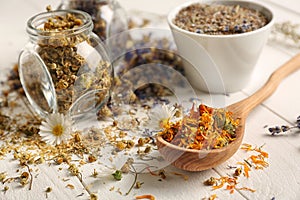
161 113
46 129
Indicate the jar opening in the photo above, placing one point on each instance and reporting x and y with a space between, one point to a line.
36 25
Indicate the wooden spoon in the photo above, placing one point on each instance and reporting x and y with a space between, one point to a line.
198 160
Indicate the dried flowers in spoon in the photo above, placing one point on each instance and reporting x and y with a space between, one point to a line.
202 128
56 129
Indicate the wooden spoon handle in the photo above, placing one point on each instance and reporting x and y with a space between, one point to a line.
246 105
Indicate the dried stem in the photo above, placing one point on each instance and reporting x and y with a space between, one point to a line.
31 177
134 182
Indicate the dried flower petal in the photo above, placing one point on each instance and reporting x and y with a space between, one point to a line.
146 196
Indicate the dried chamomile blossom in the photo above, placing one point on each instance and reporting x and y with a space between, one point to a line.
56 129
24 178
210 181
93 196
126 167
143 141
124 144
92 158
138 184
74 170
5 188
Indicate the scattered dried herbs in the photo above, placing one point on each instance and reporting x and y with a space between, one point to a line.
19 136
218 19
255 161
202 128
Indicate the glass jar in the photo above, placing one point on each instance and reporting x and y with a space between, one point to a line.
65 67
108 16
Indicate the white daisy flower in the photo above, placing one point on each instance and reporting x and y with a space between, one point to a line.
56 129
161 115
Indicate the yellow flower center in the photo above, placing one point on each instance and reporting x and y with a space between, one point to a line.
163 123
58 130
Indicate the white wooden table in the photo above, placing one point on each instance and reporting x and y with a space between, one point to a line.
281 180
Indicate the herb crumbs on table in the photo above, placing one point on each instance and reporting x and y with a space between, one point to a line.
256 161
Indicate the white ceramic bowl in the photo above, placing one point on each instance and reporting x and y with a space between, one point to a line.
221 63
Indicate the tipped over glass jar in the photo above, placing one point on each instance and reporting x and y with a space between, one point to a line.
65 67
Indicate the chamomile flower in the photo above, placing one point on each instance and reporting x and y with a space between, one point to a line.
161 115
56 129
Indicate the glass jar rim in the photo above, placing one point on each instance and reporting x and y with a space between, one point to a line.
34 23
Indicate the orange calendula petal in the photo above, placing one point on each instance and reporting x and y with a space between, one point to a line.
246 188
246 170
146 196
247 147
264 154
218 186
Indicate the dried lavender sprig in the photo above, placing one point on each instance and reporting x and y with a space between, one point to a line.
284 128
279 129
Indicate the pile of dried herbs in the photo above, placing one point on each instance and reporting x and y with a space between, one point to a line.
218 19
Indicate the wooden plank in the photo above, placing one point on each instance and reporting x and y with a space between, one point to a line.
281 178
44 176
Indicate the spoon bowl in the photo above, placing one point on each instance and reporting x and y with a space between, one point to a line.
199 160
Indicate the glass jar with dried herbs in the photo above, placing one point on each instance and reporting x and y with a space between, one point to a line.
65 67
108 16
